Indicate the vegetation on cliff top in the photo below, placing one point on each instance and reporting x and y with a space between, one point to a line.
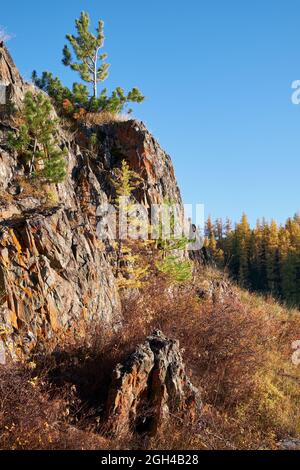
90 63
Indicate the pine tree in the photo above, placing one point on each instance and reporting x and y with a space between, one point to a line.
90 64
86 47
219 230
35 142
290 262
209 227
125 181
242 250
257 277
228 227
265 259
227 242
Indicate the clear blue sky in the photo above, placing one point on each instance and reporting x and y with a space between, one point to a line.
217 76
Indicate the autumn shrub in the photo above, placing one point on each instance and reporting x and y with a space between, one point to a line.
237 351
5 197
52 404
27 417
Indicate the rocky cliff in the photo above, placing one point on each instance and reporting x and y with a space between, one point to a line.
55 275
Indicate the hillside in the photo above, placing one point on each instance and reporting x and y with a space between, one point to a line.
168 361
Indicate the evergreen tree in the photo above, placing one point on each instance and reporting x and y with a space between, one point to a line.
35 142
209 227
272 258
258 258
219 230
87 47
242 251
265 259
228 227
90 63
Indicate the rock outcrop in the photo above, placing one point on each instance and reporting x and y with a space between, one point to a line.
11 79
54 279
148 386
55 275
130 140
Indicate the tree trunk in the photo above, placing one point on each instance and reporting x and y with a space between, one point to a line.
33 157
95 75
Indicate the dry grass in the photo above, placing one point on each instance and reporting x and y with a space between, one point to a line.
29 188
5 197
237 350
104 117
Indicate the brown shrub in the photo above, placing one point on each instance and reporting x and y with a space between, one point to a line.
24 411
239 355
5 197
224 342
33 415
236 349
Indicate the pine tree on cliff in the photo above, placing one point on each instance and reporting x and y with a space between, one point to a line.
35 142
170 246
86 58
92 68
90 62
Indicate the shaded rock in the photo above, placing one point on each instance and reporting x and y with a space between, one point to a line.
148 386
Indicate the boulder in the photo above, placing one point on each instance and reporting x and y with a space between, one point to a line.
150 386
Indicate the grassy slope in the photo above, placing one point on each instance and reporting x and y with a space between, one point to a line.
237 349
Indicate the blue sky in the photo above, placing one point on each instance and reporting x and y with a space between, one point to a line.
217 76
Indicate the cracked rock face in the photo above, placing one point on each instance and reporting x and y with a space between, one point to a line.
130 140
56 276
148 386
15 87
54 280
